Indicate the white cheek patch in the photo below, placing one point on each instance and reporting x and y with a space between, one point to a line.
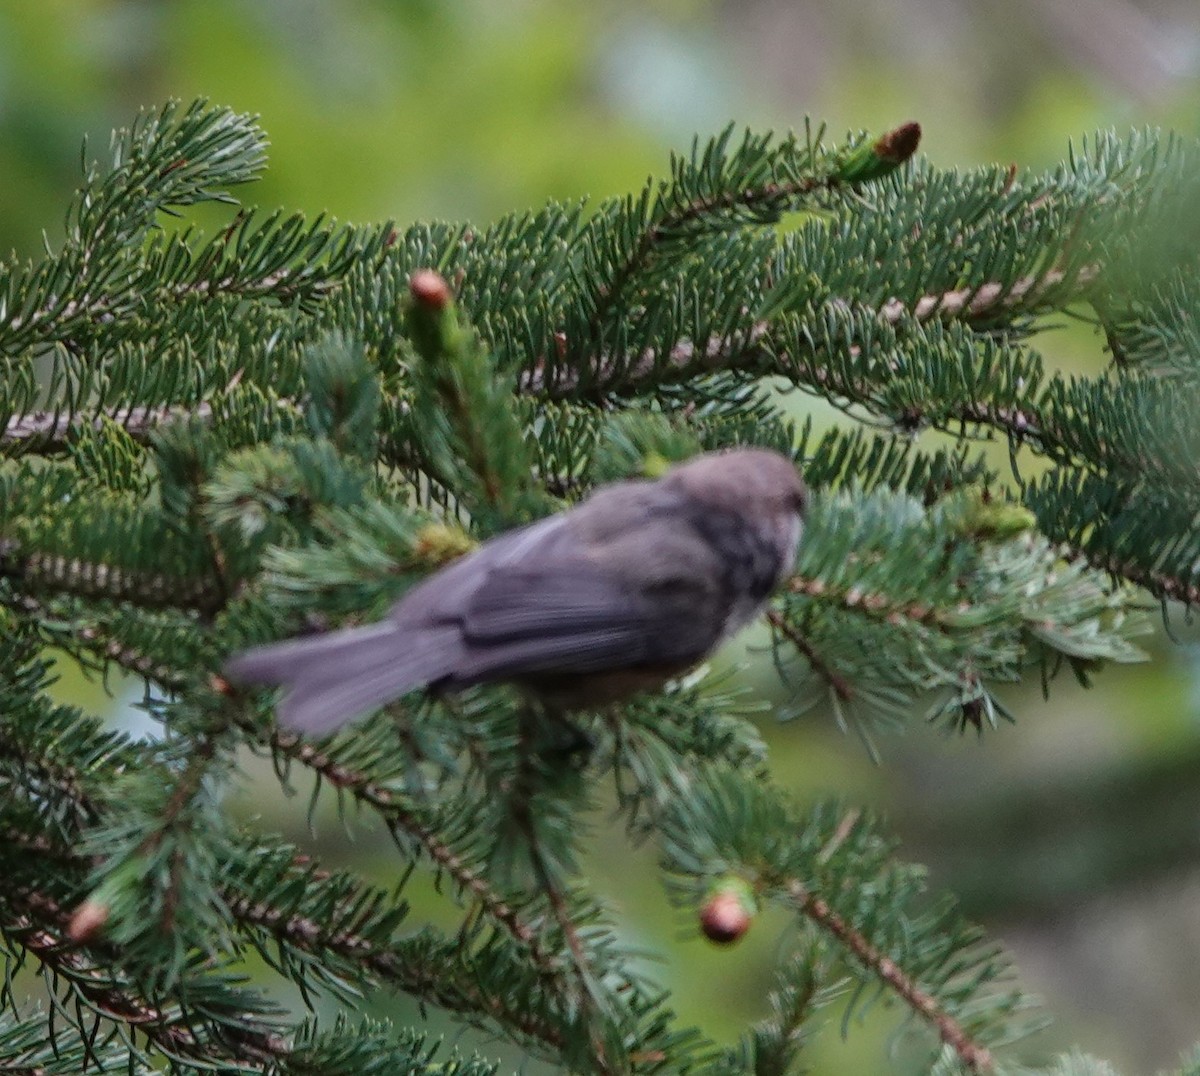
795 530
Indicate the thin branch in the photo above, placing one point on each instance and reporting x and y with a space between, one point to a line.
96 579
40 926
741 351
52 430
838 684
975 1056
988 300
396 814
522 795
1160 584
693 211
746 351
186 786
875 606
397 968
97 640
46 771
98 310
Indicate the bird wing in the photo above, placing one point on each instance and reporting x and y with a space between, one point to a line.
579 592
578 617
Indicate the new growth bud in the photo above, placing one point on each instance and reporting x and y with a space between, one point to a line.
430 289
728 912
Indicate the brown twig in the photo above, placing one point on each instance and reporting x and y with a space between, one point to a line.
987 300
1160 584
975 1056
876 606
95 579
522 812
99 642
747 351
52 429
395 812
40 926
838 684
400 970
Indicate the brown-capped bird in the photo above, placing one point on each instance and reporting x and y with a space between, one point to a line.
634 585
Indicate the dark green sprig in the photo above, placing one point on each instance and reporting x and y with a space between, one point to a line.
873 160
815 862
463 409
165 161
343 396
27 1049
954 613
375 1048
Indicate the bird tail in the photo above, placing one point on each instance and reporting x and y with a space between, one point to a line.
331 679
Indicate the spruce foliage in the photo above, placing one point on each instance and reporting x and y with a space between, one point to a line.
210 441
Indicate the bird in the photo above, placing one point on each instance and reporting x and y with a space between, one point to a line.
635 585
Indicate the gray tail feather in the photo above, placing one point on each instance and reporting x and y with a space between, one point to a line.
331 679
292 659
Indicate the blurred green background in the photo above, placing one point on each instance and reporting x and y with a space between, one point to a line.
1075 836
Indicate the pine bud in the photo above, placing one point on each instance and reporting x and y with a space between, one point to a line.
899 144
973 513
884 155
430 289
436 544
87 921
728 911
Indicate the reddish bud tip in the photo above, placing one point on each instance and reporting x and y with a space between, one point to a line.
430 289
726 916
87 921
899 144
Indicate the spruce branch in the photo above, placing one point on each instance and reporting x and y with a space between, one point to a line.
986 302
838 684
27 1050
300 419
348 920
974 1056
752 352
99 579
1136 530
815 862
52 431
165 161
39 925
348 1048
591 998
464 417
133 642
718 188
957 596
356 925
805 984
404 821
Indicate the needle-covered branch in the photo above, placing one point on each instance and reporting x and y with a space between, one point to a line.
212 441
817 862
